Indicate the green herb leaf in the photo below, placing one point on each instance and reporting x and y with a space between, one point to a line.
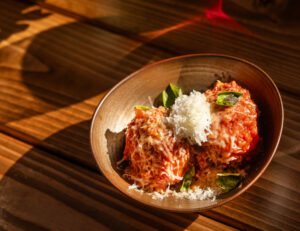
161 99
175 90
168 96
228 181
228 98
142 107
187 180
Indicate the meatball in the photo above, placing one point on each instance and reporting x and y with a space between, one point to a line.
157 160
234 128
234 133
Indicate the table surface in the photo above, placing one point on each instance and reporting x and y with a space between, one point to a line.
58 58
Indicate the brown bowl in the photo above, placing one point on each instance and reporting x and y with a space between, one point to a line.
189 72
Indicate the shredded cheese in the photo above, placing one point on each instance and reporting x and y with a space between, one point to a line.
196 193
190 117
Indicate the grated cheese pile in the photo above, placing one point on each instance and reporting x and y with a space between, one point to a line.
190 117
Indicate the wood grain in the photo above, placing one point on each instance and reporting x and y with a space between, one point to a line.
199 27
41 192
54 71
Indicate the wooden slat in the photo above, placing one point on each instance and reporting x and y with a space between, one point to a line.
41 192
197 26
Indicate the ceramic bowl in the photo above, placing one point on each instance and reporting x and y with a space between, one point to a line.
189 72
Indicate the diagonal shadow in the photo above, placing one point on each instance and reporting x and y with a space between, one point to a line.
42 192
62 65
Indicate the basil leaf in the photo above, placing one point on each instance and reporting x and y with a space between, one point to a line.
161 99
168 96
142 107
228 98
176 91
228 181
187 180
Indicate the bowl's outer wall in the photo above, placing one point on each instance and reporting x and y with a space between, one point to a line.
189 72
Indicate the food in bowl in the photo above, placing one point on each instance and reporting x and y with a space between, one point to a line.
195 146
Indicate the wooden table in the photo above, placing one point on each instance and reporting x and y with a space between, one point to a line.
58 58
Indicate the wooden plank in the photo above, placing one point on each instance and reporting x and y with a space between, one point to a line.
202 26
41 192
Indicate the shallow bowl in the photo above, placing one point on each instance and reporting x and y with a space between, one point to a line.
189 72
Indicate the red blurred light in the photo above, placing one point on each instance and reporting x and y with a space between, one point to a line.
217 15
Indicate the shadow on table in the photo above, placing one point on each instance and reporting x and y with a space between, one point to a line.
43 192
63 65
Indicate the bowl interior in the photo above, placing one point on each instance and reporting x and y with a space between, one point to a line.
197 72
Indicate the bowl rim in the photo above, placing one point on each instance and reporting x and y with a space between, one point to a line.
94 118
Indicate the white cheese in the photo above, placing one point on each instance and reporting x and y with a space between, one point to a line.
190 117
192 194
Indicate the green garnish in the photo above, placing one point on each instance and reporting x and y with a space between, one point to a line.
228 98
167 97
142 107
187 180
228 181
161 99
